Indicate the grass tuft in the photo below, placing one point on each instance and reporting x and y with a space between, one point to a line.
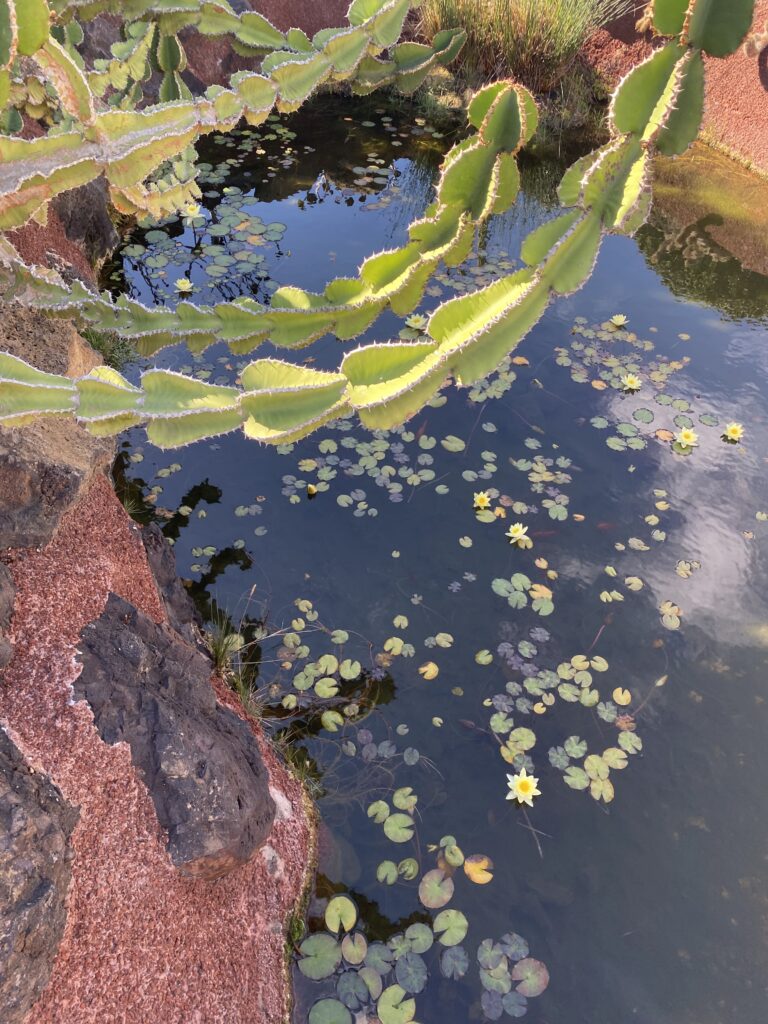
534 41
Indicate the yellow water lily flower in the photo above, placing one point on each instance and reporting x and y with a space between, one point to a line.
619 320
417 321
631 382
183 285
687 438
482 500
523 787
733 432
516 533
191 209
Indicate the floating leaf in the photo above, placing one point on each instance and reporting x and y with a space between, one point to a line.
420 937
435 889
330 1011
386 872
411 973
454 962
576 777
451 927
341 912
453 444
514 946
379 811
320 956
479 868
399 828
532 975
394 1007
354 948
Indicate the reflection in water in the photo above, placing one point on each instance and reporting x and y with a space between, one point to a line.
654 907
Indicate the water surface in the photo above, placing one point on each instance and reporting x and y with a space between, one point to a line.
654 907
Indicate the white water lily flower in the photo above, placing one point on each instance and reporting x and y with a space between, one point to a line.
523 787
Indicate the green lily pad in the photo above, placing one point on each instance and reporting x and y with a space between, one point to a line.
320 956
450 927
436 889
341 912
329 1011
386 872
394 1006
420 937
399 828
354 948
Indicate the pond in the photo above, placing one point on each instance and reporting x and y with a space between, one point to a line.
635 628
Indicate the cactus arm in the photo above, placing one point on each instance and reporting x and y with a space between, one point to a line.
657 106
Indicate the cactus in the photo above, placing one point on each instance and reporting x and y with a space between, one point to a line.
656 107
128 145
479 177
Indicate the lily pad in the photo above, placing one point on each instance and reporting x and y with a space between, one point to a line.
399 828
394 1006
341 912
435 889
532 975
320 956
329 1011
450 927
411 973
454 962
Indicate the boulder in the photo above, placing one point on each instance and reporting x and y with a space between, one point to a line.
36 825
179 606
202 767
84 214
48 343
44 469
46 466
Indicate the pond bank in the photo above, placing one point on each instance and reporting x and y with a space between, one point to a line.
736 105
160 846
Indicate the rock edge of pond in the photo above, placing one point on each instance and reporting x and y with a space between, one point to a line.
168 843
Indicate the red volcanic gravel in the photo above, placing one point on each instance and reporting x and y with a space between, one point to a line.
736 107
309 15
736 110
142 944
49 247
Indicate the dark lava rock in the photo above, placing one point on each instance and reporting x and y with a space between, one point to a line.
84 212
200 762
7 597
179 606
46 466
35 867
44 469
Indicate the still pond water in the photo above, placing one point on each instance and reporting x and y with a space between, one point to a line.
650 908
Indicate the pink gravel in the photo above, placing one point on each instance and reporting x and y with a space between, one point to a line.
142 945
